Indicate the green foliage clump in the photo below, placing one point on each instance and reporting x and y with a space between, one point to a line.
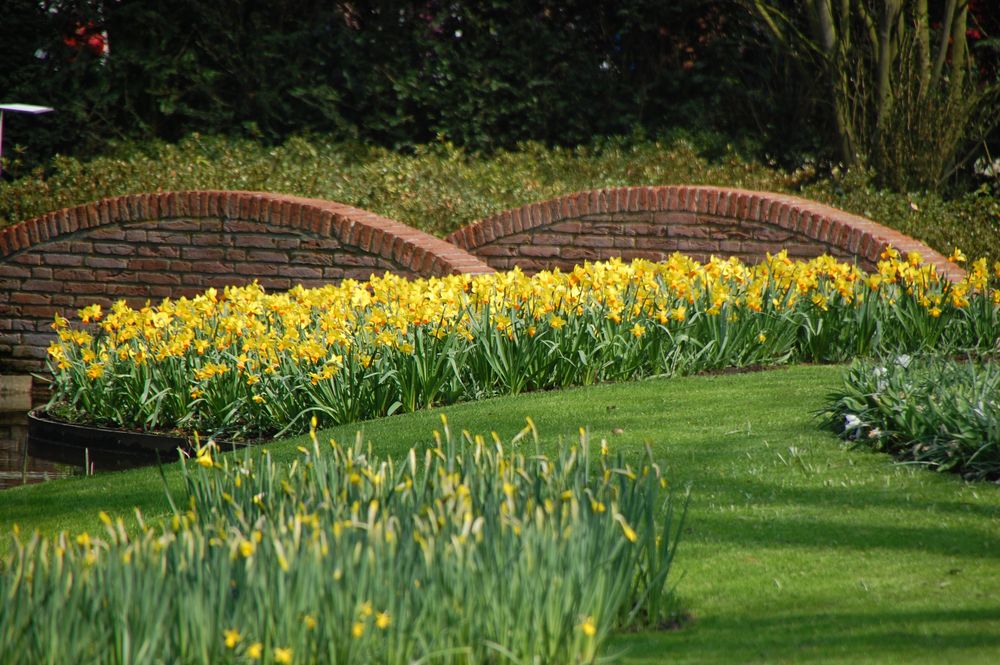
465 551
927 410
440 187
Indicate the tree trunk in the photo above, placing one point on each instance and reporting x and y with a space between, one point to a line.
922 26
884 62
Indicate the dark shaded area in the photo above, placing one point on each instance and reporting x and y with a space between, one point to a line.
18 464
483 75
867 637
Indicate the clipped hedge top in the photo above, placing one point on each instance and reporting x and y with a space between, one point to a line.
440 188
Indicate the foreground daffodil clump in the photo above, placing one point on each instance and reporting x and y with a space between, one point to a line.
470 551
246 363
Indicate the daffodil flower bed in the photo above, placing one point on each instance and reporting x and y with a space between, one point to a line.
245 363
937 412
471 551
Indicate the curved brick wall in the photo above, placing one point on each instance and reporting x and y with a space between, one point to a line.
654 222
152 246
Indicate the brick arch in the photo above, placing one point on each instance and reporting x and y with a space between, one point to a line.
654 222
151 246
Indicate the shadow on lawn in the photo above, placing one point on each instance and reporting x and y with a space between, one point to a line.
942 536
928 635
828 534
859 497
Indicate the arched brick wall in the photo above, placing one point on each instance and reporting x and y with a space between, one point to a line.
151 246
654 222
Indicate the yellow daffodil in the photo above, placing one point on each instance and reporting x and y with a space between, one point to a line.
232 638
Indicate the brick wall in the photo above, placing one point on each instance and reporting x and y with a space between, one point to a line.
158 245
654 222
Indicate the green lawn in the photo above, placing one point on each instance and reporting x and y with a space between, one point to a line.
796 548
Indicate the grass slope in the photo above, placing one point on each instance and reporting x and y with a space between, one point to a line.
796 549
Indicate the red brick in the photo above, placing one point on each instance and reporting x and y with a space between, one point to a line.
300 272
16 271
73 273
159 278
853 240
23 239
127 290
275 283
674 217
655 243
113 249
589 240
105 262
149 264
260 241
28 259
398 249
168 238
695 245
203 253
804 250
256 269
497 250
771 234
311 258
579 253
26 298
567 226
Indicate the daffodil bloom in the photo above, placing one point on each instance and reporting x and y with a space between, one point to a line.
255 651
283 656
588 627
629 532
232 638
90 313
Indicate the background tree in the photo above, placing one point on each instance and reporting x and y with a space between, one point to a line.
900 81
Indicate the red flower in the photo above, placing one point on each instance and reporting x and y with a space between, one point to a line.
96 44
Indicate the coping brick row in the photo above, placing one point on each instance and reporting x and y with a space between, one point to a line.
823 224
407 247
424 254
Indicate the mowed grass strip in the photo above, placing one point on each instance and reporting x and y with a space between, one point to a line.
796 549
